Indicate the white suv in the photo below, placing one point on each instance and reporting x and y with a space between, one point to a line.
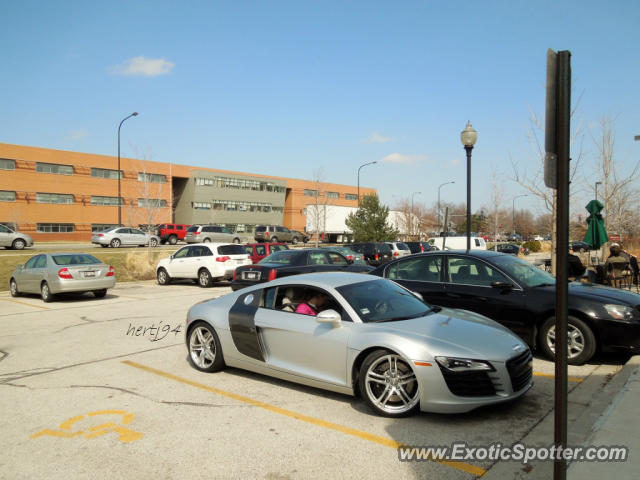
202 262
399 249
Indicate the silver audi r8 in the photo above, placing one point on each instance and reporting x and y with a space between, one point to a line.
371 337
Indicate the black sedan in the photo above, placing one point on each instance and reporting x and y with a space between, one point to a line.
579 246
293 262
510 248
522 297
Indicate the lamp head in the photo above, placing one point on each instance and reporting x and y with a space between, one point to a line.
135 114
468 136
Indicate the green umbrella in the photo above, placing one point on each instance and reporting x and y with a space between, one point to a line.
596 234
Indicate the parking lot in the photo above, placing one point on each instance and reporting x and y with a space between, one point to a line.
102 388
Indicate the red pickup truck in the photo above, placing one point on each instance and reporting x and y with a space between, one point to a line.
171 232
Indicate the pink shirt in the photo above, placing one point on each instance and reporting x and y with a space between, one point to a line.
305 309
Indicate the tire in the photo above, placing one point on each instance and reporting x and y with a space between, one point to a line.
173 240
115 243
163 277
104 246
236 240
153 242
206 240
274 239
100 293
384 378
45 292
581 342
205 352
13 286
18 244
294 240
204 278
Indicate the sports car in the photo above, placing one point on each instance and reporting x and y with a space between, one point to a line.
374 338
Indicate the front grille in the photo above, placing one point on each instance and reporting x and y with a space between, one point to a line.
520 370
468 384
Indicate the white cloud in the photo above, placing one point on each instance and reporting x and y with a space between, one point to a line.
145 67
377 137
77 134
400 158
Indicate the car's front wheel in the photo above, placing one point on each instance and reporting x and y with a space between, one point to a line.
153 242
274 239
173 240
581 342
205 352
294 240
13 286
387 383
236 240
204 278
163 277
45 292
115 243
18 244
100 293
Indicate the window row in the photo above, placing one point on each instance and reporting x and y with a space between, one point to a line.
314 193
232 205
7 196
6 164
229 182
55 227
105 173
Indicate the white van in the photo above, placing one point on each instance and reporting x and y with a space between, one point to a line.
458 243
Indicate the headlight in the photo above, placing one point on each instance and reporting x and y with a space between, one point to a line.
620 312
464 364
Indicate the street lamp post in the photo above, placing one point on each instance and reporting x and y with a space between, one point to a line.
411 216
364 165
439 214
597 183
468 137
119 173
513 212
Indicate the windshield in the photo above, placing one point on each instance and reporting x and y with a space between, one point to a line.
283 257
193 228
383 301
75 259
523 271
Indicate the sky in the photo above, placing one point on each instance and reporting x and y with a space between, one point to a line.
293 88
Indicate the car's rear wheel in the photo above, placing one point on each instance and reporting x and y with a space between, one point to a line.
204 278
104 246
205 352
207 240
581 342
13 286
45 292
163 277
236 240
274 239
173 240
388 384
153 242
100 293
18 244
115 243
294 240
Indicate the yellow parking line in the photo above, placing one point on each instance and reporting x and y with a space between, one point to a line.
23 303
387 442
550 375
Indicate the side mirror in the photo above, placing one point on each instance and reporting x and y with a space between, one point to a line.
171 256
502 285
330 316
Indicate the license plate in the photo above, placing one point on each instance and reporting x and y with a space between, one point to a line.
89 274
251 275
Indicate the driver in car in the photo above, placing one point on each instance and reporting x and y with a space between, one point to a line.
312 304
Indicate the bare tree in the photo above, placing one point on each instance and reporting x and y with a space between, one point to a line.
321 200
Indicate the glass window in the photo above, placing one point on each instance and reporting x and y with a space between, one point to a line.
152 202
101 227
201 205
4 229
55 227
105 173
350 196
310 193
337 259
284 257
7 196
63 198
151 177
135 231
261 250
6 164
54 168
199 251
231 250
99 200
469 271
422 269
75 259
318 258
183 252
32 262
41 262
333 195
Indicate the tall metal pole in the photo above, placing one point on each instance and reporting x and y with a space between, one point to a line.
468 149
513 213
119 174
438 212
364 165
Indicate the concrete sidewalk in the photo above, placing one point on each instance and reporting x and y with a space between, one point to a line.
618 425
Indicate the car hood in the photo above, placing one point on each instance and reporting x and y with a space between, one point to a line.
597 293
457 332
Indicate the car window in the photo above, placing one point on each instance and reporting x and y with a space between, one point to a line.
337 259
75 259
199 251
193 228
275 248
384 248
524 271
183 252
248 249
41 262
231 250
4 229
318 258
280 229
262 250
284 257
469 271
136 231
123 230
421 269
179 227
32 262
261 228
402 246
225 230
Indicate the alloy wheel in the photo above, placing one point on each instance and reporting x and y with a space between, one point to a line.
391 385
575 340
202 347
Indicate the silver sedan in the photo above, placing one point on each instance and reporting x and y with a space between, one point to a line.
117 236
371 337
15 240
51 273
